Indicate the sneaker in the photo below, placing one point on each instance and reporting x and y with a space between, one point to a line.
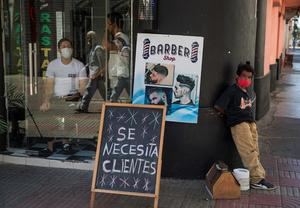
79 110
263 185
67 149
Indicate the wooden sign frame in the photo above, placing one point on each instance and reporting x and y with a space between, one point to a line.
94 190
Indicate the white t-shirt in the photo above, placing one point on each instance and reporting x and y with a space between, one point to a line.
66 76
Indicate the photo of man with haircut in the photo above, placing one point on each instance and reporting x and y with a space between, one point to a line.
159 96
156 75
182 90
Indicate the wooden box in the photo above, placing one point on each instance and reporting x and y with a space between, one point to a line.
221 184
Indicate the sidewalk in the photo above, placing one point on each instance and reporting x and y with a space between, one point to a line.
37 187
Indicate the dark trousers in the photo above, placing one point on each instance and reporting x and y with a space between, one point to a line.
123 83
92 86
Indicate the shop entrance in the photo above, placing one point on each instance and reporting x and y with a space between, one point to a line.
32 30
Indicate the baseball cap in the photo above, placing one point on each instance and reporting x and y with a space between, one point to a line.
122 37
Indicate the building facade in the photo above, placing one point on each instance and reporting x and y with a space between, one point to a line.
234 31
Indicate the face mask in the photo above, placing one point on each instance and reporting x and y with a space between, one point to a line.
66 53
244 83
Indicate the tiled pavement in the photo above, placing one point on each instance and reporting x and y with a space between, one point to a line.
284 173
37 187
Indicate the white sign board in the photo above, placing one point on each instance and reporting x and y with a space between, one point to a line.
168 71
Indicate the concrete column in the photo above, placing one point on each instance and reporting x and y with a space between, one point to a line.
260 38
261 81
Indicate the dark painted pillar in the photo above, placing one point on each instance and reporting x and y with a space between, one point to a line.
229 29
261 82
260 38
2 98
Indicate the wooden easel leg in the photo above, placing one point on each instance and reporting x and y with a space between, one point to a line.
92 200
156 202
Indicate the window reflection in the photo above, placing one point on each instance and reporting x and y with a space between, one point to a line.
75 55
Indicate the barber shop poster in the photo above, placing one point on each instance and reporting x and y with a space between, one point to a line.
168 72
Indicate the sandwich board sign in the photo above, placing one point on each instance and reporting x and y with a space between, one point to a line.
129 150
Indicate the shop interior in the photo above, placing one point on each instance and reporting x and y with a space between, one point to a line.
32 30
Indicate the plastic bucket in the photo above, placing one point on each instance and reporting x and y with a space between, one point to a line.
243 177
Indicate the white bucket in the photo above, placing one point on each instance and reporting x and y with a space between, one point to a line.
242 176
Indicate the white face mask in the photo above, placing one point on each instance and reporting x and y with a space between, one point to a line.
66 53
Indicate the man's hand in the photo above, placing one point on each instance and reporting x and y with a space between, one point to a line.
220 111
45 106
100 73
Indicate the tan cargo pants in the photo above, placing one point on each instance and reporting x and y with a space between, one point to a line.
246 140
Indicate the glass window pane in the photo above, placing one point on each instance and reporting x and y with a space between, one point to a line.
69 57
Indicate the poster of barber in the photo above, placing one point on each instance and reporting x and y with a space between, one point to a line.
168 72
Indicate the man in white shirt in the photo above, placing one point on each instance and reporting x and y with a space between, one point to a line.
65 75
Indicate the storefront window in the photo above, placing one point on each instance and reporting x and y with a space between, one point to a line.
63 84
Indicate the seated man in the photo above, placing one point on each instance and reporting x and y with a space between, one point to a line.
183 89
65 76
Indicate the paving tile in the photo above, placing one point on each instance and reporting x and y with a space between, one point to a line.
289 167
298 175
296 192
262 199
229 204
290 191
293 175
197 202
290 202
283 190
289 182
269 162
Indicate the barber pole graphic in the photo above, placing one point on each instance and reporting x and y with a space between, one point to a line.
194 56
146 48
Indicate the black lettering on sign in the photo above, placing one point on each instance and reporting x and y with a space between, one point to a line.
129 148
